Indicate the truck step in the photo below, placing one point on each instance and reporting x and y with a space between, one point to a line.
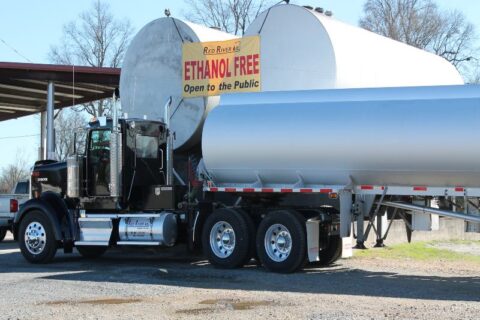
92 243
138 243
95 230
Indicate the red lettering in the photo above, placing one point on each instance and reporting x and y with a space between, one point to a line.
256 63
200 74
207 69
187 70
193 64
235 65
228 73
214 69
249 64
222 68
243 70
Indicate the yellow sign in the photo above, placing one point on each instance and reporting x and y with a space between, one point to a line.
213 68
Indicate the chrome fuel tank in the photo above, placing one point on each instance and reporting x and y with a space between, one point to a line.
383 136
162 229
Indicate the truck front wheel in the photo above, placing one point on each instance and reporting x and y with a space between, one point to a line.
36 238
281 241
227 238
3 233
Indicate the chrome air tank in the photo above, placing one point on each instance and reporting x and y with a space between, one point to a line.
380 136
152 72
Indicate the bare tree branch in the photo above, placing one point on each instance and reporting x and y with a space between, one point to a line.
13 173
232 16
96 39
66 125
420 23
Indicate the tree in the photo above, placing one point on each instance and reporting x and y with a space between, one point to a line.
96 39
232 16
422 24
68 126
13 173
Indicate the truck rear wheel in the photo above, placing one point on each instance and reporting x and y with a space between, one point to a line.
36 238
91 252
332 252
3 233
281 241
227 238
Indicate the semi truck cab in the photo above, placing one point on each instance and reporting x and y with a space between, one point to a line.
115 189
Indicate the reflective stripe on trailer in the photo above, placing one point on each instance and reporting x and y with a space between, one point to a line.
271 190
457 191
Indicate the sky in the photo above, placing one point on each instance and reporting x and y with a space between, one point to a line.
30 27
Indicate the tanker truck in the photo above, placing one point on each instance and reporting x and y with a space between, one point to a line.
283 175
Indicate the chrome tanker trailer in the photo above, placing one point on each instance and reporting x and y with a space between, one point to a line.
283 174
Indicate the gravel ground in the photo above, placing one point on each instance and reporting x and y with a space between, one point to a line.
172 285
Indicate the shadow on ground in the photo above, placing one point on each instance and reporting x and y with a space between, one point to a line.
176 268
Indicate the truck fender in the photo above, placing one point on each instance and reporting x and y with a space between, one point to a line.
60 207
43 206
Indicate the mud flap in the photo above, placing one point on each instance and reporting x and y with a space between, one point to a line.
345 212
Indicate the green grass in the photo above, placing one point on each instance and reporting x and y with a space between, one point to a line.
420 251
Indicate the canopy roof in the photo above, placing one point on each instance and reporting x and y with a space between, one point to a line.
23 86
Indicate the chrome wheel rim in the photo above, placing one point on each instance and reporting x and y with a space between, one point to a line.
35 238
222 239
278 242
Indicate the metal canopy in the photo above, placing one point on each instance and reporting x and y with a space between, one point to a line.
23 86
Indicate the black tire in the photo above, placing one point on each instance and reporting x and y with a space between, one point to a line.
3 233
252 231
241 253
332 252
50 244
91 252
295 223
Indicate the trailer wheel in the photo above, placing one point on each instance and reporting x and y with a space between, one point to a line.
91 252
3 233
36 238
226 238
252 231
281 241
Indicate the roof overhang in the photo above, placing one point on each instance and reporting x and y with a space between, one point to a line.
23 86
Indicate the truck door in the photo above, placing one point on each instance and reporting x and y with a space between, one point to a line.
149 160
98 163
145 157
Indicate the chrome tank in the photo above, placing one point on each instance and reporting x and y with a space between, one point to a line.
382 136
152 72
162 229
